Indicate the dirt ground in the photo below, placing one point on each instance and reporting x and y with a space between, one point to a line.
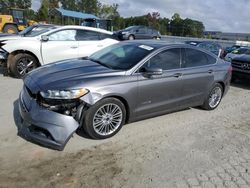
189 148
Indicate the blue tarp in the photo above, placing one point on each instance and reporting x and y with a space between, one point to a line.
75 14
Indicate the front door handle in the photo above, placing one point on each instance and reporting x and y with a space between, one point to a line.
177 75
74 47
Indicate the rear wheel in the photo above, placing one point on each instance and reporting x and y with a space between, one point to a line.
214 98
105 118
21 64
10 28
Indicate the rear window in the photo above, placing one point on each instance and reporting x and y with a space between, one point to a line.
195 58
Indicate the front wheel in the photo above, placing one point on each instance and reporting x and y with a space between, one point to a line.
214 98
21 64
131 37
105 118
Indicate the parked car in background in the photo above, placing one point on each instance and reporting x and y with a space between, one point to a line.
122 83
213 47
238 51
23 54
241 67
230 49
138 32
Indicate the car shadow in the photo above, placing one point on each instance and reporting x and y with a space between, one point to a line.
240 83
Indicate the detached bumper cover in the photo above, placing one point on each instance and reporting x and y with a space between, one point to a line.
43 126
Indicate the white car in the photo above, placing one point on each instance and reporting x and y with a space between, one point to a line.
23 54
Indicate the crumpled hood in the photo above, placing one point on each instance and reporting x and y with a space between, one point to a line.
67 74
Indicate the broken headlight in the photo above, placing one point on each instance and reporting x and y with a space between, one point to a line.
64 94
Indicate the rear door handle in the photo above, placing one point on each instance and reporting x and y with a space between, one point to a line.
100 45
177 75
74 47
210 71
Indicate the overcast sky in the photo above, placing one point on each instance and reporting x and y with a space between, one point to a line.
216 15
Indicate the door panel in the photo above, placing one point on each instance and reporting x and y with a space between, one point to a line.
158 93
60 45
196 83
198 76
59 50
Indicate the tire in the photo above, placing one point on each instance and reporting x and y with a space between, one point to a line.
131 37
10 28
214 97
96 115
21 64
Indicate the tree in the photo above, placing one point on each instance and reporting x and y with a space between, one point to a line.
69 4
88 6
53 4
5 5
43 12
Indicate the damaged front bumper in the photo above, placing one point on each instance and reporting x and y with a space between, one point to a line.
43 126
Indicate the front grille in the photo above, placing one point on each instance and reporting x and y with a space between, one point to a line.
241 65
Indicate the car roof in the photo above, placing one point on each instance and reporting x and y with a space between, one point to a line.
157 44
86 28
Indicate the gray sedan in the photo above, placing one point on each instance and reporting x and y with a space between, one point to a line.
122 83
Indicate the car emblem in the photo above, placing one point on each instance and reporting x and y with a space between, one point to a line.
245 66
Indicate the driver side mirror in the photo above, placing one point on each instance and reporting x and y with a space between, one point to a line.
151 71
44 38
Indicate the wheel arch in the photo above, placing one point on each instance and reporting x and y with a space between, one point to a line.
12 54
223 86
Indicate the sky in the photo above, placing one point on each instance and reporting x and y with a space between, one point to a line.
216 15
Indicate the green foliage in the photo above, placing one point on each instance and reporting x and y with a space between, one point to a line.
5 5
43 13
187 27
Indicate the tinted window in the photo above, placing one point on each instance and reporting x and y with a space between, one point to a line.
167 60
196 58
63 35
84 35
142 30
121 56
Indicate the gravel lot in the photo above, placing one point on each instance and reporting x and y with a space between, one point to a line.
190 148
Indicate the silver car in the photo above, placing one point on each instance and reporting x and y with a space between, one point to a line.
125 82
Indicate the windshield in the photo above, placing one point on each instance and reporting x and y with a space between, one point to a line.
131 27
34 31
121 56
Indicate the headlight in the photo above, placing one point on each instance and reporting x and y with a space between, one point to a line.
64 94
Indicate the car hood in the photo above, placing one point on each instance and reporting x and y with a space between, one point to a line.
243 57
67 74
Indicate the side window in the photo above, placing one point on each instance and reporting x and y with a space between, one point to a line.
150 31
195 58
166 60
142 30
85 35
63 35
